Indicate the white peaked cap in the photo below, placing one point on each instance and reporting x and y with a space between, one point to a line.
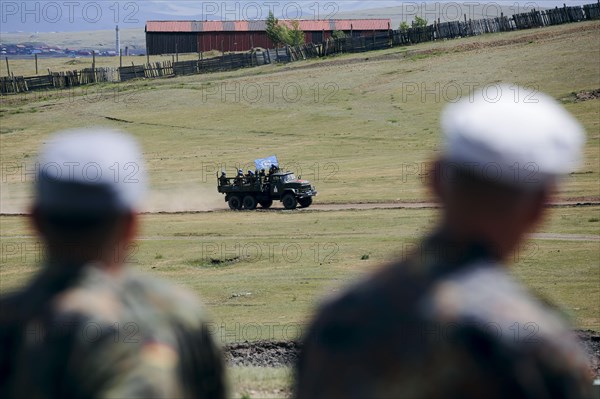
91 170
512 135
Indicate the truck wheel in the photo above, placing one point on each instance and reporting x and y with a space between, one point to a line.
235 203
289 201
249 203
305 202
266 204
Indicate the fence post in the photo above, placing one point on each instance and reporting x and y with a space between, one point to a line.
120 58
94 66
36 64
7 67
12 81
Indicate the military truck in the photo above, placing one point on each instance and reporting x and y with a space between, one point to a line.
250 190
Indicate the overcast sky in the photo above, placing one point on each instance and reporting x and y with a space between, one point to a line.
70 15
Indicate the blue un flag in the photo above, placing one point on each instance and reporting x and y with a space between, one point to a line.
266 163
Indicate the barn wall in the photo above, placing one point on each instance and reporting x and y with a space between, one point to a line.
232 41
169 43
193 42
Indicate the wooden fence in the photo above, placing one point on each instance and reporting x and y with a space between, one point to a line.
57 80
454 29
132 72
437 31
226 62
556 16
306 51
279 55
591 11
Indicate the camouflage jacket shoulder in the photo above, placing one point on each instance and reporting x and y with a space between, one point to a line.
443 321
98 335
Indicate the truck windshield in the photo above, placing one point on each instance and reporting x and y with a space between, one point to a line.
289 178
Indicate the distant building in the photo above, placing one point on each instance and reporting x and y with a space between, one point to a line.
168 37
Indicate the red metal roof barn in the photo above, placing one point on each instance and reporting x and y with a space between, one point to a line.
168 37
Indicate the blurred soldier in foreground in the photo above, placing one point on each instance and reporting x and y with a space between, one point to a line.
449 321
88 326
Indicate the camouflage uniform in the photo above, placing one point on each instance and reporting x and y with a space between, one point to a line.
79 332
447 322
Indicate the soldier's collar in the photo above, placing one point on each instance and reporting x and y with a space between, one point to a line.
453 254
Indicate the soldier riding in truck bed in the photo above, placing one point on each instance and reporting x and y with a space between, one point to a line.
260 187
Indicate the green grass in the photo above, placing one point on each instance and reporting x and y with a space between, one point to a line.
263 274
260 382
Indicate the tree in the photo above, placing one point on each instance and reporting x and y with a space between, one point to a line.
338 34
275 31
281 34
295 35
419 22
404 26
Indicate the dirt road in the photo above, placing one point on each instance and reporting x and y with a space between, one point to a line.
371 206
359 206
368 206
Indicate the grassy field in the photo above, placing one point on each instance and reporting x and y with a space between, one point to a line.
260 382
249 272
358 129
354 128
